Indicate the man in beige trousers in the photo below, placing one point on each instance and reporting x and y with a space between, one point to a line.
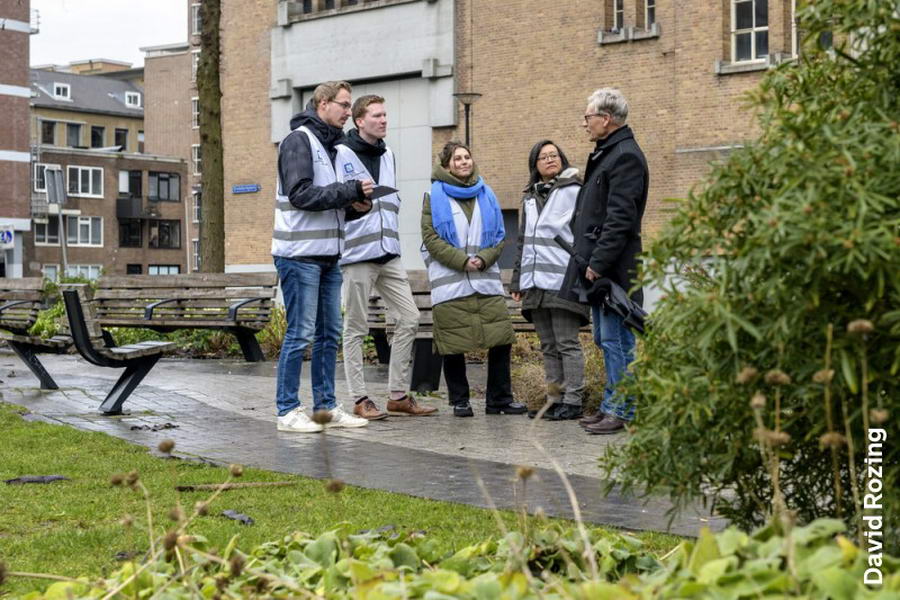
371 259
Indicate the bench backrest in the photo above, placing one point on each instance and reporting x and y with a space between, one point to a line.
83 323
122 299
27 294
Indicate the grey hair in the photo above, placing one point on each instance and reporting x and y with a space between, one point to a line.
609 101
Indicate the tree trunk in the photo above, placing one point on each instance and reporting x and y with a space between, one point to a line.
212 224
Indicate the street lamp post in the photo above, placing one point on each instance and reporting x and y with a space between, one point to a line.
467 99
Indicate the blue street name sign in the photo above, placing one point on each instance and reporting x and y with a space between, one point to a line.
247 188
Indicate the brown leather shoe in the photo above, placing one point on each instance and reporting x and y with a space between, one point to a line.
608 425
592 419
368 410
407 406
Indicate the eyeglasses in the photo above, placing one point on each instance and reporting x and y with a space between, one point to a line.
551 156
587 118
344 105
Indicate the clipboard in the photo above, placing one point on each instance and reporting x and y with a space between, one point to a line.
379 191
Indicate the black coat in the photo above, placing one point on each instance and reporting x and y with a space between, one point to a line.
608 213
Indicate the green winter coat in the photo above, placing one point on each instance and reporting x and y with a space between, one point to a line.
474 322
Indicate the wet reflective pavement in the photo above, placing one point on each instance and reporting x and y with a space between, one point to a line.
224 412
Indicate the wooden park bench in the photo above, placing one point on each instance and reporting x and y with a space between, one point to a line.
20 302
97 347
240 303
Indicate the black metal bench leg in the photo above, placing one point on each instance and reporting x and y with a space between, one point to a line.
130 379
426 367
249 345
29 357
382 348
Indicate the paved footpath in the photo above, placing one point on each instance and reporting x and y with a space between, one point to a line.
224 412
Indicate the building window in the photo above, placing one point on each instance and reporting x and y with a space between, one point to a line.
86 181
48 132
195 156
98 136
47 234
307 6
122 139
141 141
350 2
163 270
134 269
132 99
195 64
329 4
40 179
165 234
84 231
618 20
749 30
50 272
165 187
196 23
195 244
649 13
195 112
197 197
84 271
62 91
73 135
130 233
130 184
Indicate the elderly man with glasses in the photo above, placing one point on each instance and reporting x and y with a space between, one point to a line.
607 230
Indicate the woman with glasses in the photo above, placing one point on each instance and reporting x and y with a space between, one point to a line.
462 234
547 207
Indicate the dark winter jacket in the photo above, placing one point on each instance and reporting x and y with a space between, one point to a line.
369 154
607 219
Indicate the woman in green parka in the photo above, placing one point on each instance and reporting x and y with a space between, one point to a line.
462 234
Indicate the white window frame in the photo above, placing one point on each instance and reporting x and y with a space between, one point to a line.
196 23
41 167
196 159
752 31
133 99
195 249
163 269
60 87
77 271
618 23
45 227
54 267
195 112
795 42
80 193
78 222
647 5
195 64
196 201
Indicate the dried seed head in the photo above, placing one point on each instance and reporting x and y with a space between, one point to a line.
777 377
170 540
116 479
808 209
824 376
166 446
132 478
322 417
236 565
236 470
860 327
202 508
832 439
878 415
524 473
758 401
185 540
334 486
539 513
779 438
761 434
127 521
746 375
176 514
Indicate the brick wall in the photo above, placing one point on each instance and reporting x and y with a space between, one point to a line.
14 197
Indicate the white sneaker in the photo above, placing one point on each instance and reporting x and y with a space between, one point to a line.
339 418
298 421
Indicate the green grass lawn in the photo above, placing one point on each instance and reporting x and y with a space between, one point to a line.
74 527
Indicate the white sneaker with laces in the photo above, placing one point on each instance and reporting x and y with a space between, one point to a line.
339 418
298 422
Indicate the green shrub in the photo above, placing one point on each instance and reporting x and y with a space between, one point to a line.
790 292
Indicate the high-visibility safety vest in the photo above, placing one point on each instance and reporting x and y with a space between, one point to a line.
544 262
308 232
378 232
449 284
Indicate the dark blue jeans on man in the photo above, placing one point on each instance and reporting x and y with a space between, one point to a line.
617 343
312 303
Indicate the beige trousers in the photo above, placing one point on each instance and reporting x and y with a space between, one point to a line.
392 284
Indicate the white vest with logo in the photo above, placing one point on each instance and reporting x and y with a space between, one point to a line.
449 284
308 232
378 232
544 262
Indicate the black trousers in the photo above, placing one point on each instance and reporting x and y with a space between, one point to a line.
499 382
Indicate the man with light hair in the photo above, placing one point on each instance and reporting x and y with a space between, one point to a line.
371 260
311 206
607 228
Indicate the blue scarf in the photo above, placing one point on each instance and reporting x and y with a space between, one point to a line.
492 230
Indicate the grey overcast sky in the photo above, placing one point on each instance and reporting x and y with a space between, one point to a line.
115 29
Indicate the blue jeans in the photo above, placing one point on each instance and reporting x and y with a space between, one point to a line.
617 342
312 303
